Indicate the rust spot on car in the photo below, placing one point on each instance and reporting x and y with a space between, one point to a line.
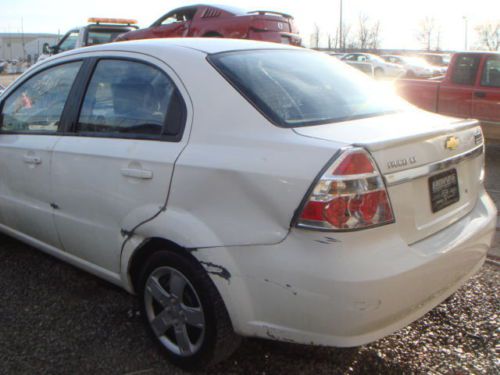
286 286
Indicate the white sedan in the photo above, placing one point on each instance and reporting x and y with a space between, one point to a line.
242 188
414 67
381 68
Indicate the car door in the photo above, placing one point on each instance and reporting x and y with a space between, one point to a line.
455 94
486 99
113 172
29 128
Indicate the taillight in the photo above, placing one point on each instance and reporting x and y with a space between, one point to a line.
350 195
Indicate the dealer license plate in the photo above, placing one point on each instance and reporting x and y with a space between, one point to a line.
444 189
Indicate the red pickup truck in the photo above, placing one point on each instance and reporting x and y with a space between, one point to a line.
470 89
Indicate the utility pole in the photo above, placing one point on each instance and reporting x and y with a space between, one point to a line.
465 22
341 44
22 38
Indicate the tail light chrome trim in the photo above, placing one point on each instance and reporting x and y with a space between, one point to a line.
349 194
396 178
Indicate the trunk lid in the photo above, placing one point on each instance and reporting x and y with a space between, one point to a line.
411 152
273 21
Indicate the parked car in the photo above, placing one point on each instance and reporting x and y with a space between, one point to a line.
243 188
415 67
98 31
381 67
471 88
221 22
366 68
439 59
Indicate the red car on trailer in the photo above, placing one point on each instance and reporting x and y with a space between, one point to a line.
222 22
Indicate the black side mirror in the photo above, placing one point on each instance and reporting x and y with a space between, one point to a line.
50 50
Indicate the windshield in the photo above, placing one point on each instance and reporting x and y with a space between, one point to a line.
297 88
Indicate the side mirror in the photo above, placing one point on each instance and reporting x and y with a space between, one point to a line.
50 50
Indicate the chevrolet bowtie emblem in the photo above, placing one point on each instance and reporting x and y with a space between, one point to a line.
451 143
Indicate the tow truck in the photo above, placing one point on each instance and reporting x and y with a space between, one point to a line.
98 31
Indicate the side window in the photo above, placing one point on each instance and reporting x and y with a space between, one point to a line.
179 16
491 72
37 105
465 69
129 99
69 42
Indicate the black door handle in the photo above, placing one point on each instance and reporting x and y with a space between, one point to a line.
480 94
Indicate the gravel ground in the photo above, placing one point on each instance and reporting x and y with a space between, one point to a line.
55 319
7 79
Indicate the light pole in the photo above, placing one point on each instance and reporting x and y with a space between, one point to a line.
340 29
465 24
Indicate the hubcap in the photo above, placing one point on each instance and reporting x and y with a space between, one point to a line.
174 311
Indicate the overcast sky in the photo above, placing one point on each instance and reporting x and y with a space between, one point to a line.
399 18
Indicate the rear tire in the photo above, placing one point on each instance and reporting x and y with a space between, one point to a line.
184 311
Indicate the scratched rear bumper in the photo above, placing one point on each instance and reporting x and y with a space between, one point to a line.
346 289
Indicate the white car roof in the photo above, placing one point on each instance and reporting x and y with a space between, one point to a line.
205 45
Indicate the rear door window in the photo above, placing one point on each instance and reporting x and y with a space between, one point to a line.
491 72
130 99
37 105
465 70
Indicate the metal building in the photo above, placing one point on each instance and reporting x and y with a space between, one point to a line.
24 46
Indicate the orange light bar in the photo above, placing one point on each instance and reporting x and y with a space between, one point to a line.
112 20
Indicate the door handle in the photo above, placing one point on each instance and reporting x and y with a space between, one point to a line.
143 174
28 159
479 94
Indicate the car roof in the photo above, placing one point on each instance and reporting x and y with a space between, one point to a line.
205 45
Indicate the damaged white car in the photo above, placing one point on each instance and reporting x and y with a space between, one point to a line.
242 188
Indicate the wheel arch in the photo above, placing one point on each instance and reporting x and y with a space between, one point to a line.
145 249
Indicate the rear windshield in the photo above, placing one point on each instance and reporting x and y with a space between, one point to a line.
297 88
101 36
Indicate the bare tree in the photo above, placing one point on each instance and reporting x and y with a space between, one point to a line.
368 36
346 40
333 41
425 34
315 36
363 31
374 36
489 36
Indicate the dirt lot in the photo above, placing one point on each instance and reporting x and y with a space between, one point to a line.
7 79
55 319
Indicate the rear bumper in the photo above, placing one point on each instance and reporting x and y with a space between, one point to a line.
347 289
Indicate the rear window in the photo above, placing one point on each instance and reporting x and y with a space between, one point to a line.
299 88
101 36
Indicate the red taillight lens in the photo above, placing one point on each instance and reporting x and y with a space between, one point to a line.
350 195
354 163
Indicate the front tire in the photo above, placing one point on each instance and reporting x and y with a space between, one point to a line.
184 311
